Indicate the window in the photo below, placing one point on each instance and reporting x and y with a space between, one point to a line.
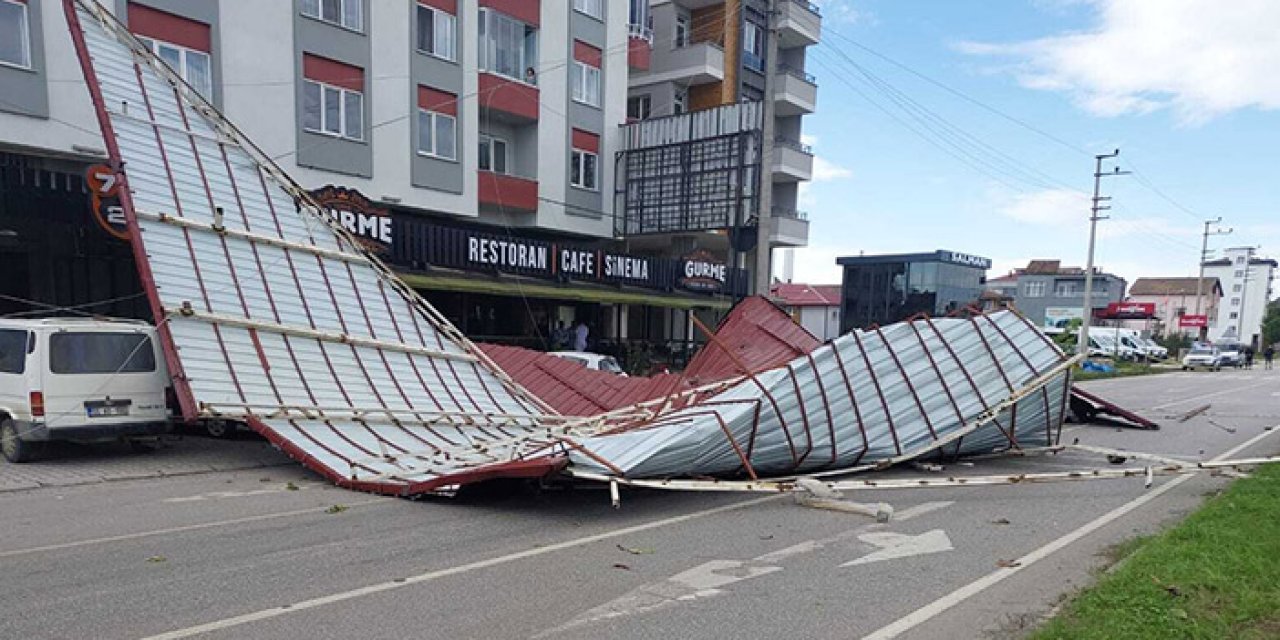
1234 315
493 154
15 43
344 13
1035 289
584 170
683 32
1239 273
508 47
593 8
100 352
13 351
1237 288
753 46
1239 259
192 65
638 107
1235 302
332 110
679 100
437 32
437 134
585 80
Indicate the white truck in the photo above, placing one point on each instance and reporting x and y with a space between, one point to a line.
83 380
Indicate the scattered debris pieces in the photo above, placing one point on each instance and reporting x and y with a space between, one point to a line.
157 559
635 551
337 508
1008 564
619 565
290 486
1000 521
1193 413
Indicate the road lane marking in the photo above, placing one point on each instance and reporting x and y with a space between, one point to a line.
933 609
266 614
902 545
182 529
222 495
1208 395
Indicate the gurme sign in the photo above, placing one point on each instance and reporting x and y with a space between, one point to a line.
700 271
369 223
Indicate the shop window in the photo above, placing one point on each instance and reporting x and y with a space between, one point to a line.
344 13
494 154
437 32
192 65
15 37
508 47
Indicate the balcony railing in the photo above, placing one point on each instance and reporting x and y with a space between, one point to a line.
641 32
813 8
793 144
797 73
795 214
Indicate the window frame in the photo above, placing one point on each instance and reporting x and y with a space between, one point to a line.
26 38
581 6
486 61
753 34
488 141
579 81
682 32
644 99
343 93
453 33
184 53
429 125
342 6
579 157
1036 289
679 100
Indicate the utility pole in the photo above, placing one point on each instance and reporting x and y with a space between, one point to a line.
1204 255
1244 297
764 197
1082 346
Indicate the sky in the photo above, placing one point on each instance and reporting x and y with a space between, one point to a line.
972 126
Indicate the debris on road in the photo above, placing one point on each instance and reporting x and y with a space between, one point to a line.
1193 413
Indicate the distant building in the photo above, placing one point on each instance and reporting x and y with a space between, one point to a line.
1246 288
816 307
1052 295
878 290
1175 298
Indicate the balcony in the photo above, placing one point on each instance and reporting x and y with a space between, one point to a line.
639 47
799 23
795 92
788 228
792 161
510 194
508 100
693 64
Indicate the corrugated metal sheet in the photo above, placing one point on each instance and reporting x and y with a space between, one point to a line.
755 336
868 396
270 312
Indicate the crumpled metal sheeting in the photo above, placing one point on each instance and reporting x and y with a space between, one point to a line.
901 406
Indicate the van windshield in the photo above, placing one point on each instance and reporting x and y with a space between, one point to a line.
13 351
100 352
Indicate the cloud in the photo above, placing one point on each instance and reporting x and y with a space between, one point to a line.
814 264
1058 207
824 170
841 11
1067 212
1196 57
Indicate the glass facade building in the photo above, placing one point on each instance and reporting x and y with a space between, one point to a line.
879 290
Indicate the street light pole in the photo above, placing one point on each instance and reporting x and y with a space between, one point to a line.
1082 346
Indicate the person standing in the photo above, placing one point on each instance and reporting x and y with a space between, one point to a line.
580 333
1248 357
1268 354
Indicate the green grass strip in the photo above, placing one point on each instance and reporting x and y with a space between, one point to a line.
1216 575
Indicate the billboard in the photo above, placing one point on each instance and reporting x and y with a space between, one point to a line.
1061 317
1193 322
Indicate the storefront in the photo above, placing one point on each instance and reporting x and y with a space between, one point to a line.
59 251
882 289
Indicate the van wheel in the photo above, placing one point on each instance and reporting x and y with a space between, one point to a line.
15 448
218 428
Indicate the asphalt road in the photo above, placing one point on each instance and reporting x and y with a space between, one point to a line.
240 554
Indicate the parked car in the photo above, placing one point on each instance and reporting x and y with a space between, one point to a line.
590 360
1232 355
83 380
1202 357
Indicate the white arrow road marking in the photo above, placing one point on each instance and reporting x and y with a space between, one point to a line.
900 545
222 495
708 579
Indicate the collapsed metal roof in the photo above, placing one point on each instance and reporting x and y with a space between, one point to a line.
269 312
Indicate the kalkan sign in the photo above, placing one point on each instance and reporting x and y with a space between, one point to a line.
1129 310
1193 322
369 223
104 188
700 271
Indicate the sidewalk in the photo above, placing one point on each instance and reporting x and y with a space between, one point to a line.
68 464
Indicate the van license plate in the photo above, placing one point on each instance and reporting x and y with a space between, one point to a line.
107 408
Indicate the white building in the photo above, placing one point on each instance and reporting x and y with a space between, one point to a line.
816 307
1246 288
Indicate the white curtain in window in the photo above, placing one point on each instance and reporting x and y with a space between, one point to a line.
353 113
311 118
332 110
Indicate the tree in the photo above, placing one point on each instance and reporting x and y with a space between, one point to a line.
1271 324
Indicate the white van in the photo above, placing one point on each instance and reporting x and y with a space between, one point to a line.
86 380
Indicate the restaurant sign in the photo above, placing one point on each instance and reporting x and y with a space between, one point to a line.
701 271
369 223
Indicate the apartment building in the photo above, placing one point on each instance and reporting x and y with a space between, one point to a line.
453 136
1246 288
1051 294
1177 307
693 171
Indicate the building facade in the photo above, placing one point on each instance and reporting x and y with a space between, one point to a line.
470 142
1052 295
816 307
881 289
693 175
1175 299
1246 288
